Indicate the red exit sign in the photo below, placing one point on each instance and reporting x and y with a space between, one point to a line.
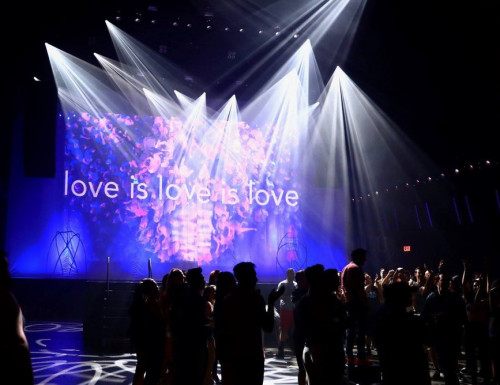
406 249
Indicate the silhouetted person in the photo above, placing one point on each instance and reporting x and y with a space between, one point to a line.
246 317
190 332
147 332
494 329
210 369
353 290
444 313
401 338
321 319
476 327
15 359
298 335
212 281
226 283
286 324
170 302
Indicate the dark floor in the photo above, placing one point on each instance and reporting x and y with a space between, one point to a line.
59 358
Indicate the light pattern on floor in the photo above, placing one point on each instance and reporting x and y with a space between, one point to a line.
58 358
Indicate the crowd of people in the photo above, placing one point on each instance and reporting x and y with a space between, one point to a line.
182 332
416 322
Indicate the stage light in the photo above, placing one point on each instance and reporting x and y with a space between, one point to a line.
285 108
189 25
175 24
261 32
226 29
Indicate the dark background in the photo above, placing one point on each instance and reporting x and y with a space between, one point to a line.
433 67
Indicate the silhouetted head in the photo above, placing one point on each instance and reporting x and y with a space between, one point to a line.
290 274
226 282
176 277
212 278
195 279
332 280
164 280
315 276
397 294
443 284
358 256
148 288
300 278
456 284
245 274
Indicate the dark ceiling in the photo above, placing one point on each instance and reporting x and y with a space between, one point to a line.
433 68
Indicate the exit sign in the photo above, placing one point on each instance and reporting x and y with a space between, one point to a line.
406 249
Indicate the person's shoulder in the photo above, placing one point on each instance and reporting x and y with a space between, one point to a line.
345 268
7 295
8 301
431 296
302 301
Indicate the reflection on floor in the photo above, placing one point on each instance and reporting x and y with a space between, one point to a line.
58 358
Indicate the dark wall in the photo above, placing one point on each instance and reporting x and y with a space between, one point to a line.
51 299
